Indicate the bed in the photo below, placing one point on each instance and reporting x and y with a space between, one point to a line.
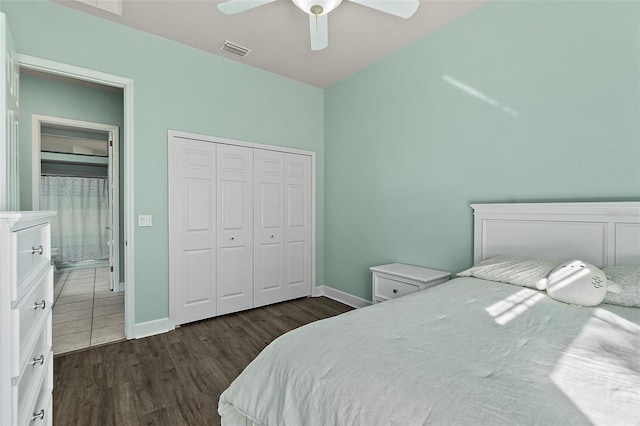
470 351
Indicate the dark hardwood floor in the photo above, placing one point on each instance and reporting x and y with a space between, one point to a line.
173 378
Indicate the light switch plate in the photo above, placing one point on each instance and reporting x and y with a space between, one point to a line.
145 220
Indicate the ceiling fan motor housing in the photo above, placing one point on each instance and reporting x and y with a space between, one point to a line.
317 7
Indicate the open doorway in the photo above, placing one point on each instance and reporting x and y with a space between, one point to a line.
78 176
75 172
123 86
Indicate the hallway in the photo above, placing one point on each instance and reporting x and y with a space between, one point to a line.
86 312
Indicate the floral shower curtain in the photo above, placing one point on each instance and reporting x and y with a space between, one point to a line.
79 228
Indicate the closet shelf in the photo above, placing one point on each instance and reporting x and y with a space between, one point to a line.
74 158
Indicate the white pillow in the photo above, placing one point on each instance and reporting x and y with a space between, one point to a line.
578 283
517 270
623 287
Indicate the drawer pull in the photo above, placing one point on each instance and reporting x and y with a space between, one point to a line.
37 361
41 305
37 416
271 236
38 250
233 238
395 290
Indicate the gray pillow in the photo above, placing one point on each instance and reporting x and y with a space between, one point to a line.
517 270
623 287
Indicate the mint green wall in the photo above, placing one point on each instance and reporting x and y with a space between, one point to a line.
63 99
180 88
518 101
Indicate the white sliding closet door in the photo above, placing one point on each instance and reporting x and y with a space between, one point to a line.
235 228
269 214
298 225
192 207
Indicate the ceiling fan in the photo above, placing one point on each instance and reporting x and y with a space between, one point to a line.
319 9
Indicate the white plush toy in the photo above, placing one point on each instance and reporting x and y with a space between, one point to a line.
577 282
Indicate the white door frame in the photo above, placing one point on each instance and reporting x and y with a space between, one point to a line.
126 84
36 137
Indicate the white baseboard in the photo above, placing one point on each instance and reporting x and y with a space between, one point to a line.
341 296
149 328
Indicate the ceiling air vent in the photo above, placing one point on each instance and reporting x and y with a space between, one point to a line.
234 48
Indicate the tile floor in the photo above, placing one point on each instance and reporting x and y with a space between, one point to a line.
85 312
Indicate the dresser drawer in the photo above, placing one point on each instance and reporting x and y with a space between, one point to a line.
31 252
387 288
31 360
42 414
30 317
34 402
26 299
28 384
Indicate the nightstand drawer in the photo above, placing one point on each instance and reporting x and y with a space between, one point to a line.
390 289
397 279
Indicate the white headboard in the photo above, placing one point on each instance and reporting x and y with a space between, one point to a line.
600 233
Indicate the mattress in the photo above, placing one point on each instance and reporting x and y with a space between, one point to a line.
465 352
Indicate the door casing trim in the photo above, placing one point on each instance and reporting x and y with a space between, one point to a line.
127 86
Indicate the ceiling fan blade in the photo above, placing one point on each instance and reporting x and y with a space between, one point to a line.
232 7
401 8
319 29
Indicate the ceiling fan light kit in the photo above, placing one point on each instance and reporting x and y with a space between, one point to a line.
319 9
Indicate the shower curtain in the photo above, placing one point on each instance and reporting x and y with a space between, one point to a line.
79 228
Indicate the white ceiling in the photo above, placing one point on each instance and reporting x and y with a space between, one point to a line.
278 33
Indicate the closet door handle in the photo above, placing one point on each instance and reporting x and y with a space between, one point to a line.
40 305
38 250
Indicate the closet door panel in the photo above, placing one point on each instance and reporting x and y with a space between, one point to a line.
269 217
192 189
232 194
296 266
198 269
298 225
235 228
232 289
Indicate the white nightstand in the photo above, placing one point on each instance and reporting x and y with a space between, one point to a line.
396 279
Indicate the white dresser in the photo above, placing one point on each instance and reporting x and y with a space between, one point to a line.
26 298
